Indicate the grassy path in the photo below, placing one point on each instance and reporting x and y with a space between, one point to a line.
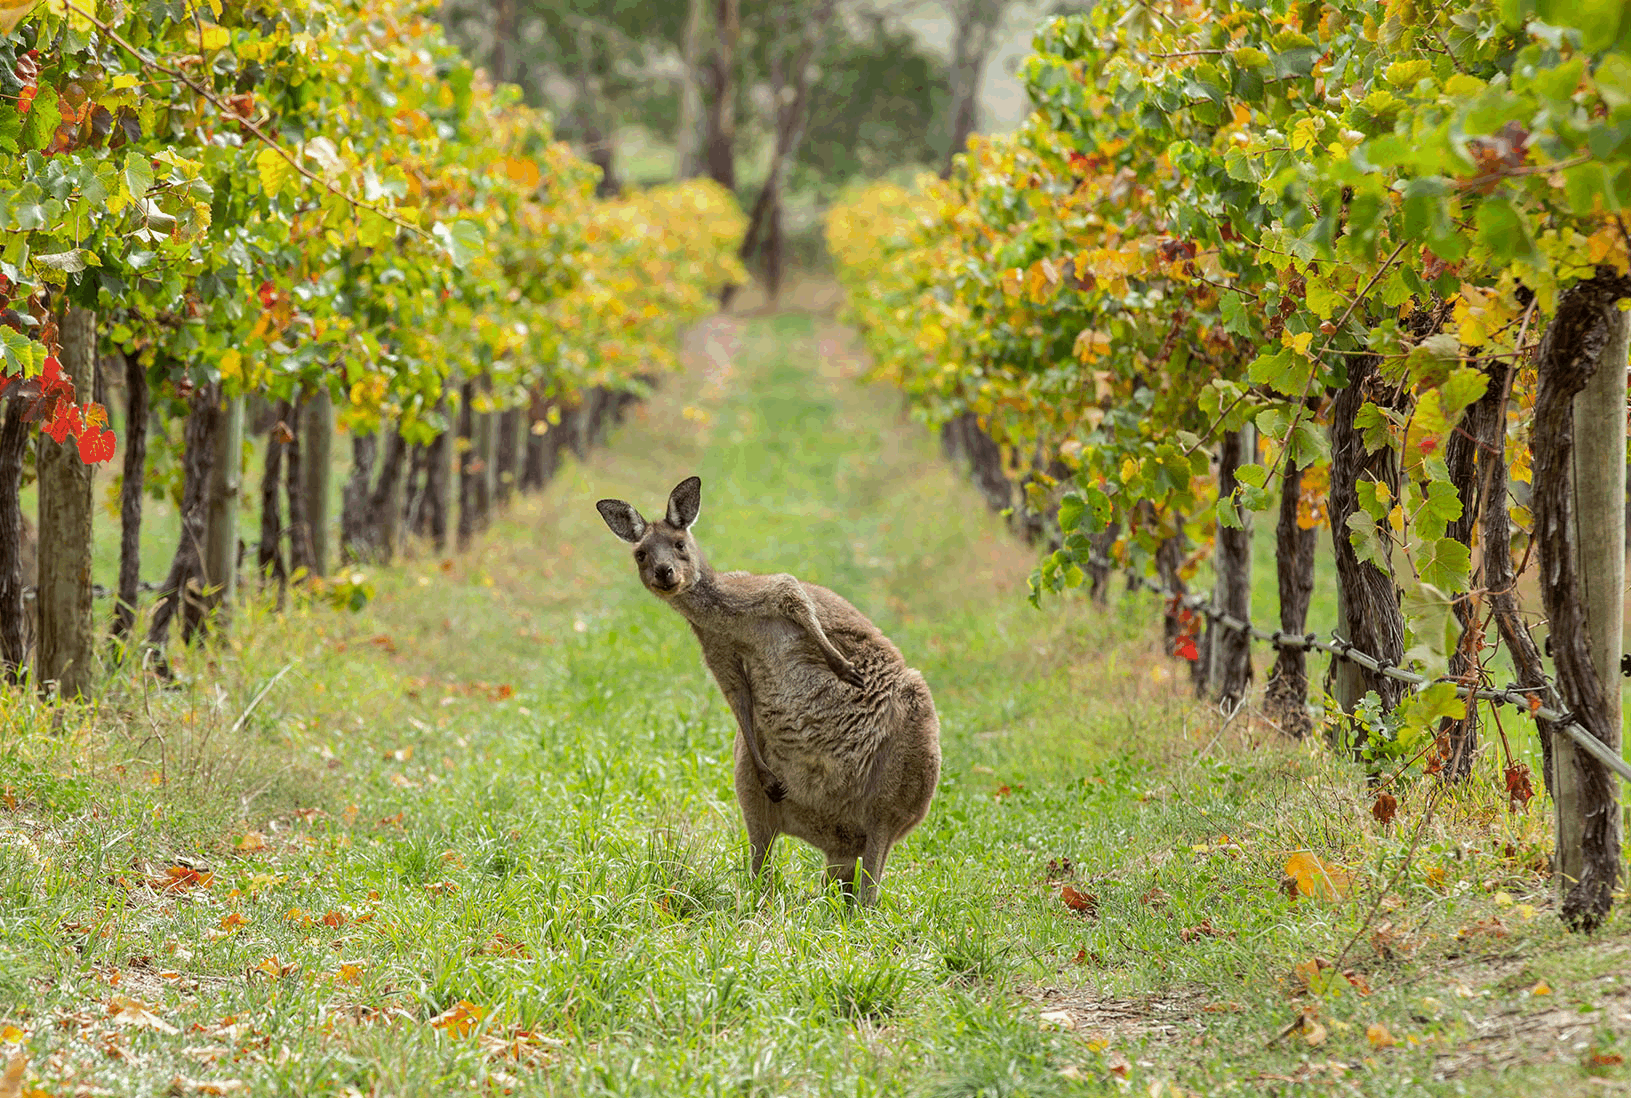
481 837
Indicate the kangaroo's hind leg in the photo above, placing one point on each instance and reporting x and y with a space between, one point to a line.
758 813
873 860
842 870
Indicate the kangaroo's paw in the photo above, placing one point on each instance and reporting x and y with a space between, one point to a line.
850 674
774 788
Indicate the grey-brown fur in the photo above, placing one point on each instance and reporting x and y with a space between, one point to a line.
837 739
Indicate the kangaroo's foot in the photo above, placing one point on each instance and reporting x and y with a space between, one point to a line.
849 673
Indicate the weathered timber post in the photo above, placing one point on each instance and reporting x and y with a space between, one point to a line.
1579 488
221 521
317 431
63 596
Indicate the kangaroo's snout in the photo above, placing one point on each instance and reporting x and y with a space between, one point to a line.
665 574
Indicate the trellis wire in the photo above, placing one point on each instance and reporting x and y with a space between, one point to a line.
1515 696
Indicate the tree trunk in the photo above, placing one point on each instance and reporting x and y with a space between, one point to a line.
507 423
318 432
1286 698
1458 739
790 126
63 593
13 623
221 534
1231 654
721 126
1499 580
973 37
1177 620
186 567
543 448
686 130
1368 599
300 548
1100 565
466 450
356 518
130 497
486 460
506 38
1579 470
270 558
438 488
385 505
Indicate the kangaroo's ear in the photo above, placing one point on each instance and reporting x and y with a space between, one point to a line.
624 520
684 502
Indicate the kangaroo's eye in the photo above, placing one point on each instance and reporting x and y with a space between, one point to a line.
680 545
640 555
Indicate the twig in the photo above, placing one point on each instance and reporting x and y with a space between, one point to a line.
271 682
247 123
1409 856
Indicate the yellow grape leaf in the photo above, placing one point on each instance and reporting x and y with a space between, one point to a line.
350 972
1378 1036
212 37
232 365
1316 878
274 171
11 1035
252 840
523 172
1541 988
1013 282
1091 346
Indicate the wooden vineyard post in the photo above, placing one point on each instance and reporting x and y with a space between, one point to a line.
63 654
1579 489
221 523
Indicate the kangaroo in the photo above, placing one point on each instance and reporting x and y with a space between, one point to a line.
837 739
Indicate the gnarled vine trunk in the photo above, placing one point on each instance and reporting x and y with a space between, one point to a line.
182 585
1286 697
130 497
64 651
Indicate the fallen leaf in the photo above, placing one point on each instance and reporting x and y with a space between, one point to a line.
275 968
126 1011
1607 1059
1202 929
460 1018
232 919
1154 898
1385 808
11 1035
1541 988
11 1083
350 972
1082 903
502 945
334 918
1223 1006
252 841
1058 1019
1060 868
179 878
1317 878
443 888
1378 1036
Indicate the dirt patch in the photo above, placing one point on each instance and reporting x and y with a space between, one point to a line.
1168 1015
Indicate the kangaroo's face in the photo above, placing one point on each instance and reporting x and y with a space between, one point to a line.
665 553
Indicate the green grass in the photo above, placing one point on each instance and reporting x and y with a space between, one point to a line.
499 797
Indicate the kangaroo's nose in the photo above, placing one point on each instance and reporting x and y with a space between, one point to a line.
665 574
